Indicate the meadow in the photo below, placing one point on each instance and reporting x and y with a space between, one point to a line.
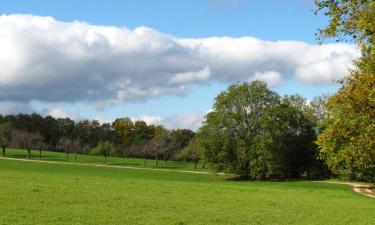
42 193
95 159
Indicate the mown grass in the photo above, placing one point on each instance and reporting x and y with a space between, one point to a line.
41 193
132 162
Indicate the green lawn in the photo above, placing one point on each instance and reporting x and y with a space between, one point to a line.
41 193
132 162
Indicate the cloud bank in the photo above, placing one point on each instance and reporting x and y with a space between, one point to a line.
48 60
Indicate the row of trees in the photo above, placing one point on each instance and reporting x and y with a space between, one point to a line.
121 138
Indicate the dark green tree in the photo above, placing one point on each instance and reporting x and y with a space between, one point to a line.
253 133
5 135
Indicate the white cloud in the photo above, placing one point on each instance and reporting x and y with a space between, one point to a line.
190 120
47 60
272 78
156 120
191 77
60 113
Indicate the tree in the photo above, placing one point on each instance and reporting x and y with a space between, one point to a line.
347 143
27 140
124 129
103 148
50 131
5 135
157 145
192 153
232 126
70 145
351 20
288 141
178 140
253 133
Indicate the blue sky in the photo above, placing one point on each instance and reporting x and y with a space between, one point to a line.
187 23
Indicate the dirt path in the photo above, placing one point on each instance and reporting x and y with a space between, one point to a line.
109 166
360 188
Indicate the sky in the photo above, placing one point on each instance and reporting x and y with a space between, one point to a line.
160 61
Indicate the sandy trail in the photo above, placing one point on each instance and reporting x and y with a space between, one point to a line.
360 188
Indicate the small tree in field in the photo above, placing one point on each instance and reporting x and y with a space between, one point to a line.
27 140
193 152
5 136
157 144
103 148
70 145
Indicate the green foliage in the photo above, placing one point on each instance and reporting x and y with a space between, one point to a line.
63 134
192 153
103 148
254 134
347 143
354 19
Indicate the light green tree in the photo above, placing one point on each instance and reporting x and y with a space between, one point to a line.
194 152
347 143
103 148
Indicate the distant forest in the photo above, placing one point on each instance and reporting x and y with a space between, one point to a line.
128 138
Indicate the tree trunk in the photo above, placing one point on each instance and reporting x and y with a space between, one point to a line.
3 150
204 164
29 153
67 155
105 158
157 160
196 163
40 153
75 156
144 162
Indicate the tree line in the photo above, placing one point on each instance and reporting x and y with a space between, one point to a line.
251 131
123 138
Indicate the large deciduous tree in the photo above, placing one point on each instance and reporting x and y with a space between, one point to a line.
254 134
347 143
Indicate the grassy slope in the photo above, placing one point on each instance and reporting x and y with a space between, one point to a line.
38 193
134 162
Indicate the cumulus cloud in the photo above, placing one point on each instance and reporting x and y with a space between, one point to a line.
48 60
191 77
190 120
272 78
156 120
58 112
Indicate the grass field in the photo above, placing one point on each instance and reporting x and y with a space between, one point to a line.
41 193
130 162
